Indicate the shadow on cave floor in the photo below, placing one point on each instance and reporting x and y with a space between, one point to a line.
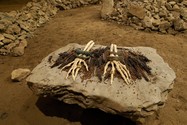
73 113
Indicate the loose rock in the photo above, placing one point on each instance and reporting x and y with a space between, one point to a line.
19 74
19 25
153 15
1 37
18 51
107 8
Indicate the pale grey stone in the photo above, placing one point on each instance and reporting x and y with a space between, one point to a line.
137 100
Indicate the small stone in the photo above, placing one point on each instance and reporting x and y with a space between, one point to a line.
10 46
185 3
172 3
29 4
180 25
41 20
162 13
12 14
13 29
5 22
176 7
156 22
164 25
1 37
148 7
175 14
4 52
171 31
168 6
137 11
147 22
26 17
22 37
19 74
156 9
7 41
107 8
170 18
2 27
24 27
156 16
1 44
184 13
9 36
41 13
23 43
18 51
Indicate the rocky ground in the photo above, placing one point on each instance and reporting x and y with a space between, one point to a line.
165 16
20 107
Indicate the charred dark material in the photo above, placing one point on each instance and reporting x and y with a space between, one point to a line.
64 58
137 65
135 62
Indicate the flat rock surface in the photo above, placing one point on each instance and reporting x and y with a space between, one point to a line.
139 99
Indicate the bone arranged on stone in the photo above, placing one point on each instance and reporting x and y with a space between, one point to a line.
140 99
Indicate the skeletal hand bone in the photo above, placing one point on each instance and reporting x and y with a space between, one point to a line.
77 63
121 68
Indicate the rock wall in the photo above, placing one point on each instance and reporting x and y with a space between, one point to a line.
165 16
16 26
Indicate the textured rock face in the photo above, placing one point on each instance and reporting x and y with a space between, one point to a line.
151 15
138 100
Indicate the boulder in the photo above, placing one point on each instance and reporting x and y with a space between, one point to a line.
19 74
134 101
